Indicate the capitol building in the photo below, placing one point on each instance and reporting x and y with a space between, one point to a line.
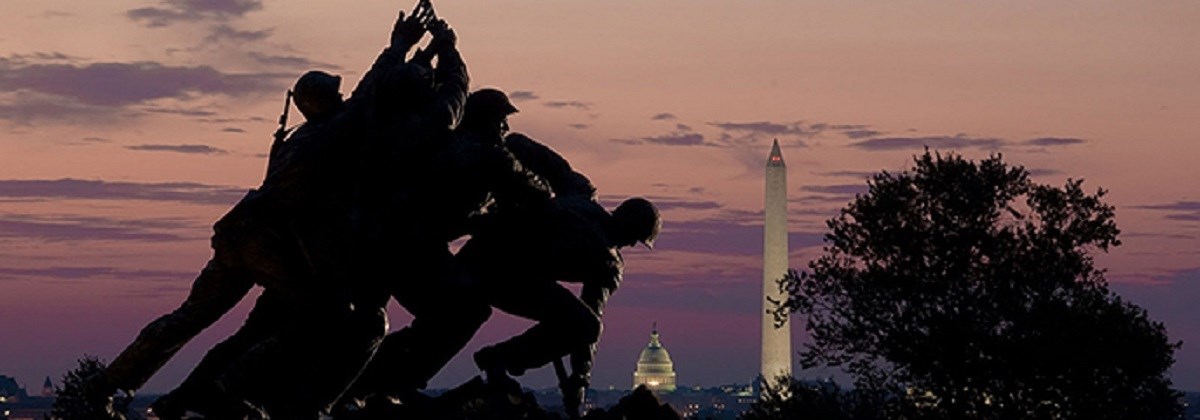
654 367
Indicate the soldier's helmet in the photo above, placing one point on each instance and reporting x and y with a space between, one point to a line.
317 83
489 101
317 93
637 220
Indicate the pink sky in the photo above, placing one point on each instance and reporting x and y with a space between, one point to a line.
127 127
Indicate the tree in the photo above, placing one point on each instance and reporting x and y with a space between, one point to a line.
964 290
82 396
789 398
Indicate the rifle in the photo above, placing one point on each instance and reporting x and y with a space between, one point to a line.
282 132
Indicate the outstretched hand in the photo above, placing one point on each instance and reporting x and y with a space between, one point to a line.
408 30
443 36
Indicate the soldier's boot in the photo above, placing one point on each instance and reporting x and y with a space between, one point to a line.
490 361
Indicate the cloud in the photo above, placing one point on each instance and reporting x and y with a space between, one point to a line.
677 139
232 130
116 84
1043 171
579 126
666 116
568 104
87 273
41 56
1053 141
683 127
291 61
27 107
673 139
768 128
522 95
861 134
174 11
935 142
222 32
180 111
75 189
839 189
196 149
849 174
79 228
1188 211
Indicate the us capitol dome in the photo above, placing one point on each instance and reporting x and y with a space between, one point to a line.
654 367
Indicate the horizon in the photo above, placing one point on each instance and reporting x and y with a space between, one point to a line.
128 127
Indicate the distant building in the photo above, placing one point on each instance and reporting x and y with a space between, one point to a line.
48 388
654 367
776 341
10 391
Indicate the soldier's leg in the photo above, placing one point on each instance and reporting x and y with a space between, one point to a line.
199 392
447 311
215 291
306 367
564 323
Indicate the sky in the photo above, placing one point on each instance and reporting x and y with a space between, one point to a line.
127 127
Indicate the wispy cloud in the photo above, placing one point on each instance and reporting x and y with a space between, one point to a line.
1053 141
522 95
666 116
579 126
51 228
76 189
223 32
92 272
169 12
122 84
1182 210
673 139
677 139
195 149
767 128
861 134
837 189
187 112
290 61
568 104
848 174
960 141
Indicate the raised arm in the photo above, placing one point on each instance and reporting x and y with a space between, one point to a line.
406 32
450 75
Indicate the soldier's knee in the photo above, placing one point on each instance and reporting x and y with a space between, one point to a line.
585 331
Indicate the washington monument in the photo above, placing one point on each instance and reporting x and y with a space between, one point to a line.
776 342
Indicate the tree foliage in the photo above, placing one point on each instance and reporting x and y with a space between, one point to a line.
82 396
789 398
965 290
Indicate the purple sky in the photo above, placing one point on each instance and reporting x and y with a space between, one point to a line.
128 126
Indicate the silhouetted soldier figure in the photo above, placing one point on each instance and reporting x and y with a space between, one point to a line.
283 237
467 172
519 262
